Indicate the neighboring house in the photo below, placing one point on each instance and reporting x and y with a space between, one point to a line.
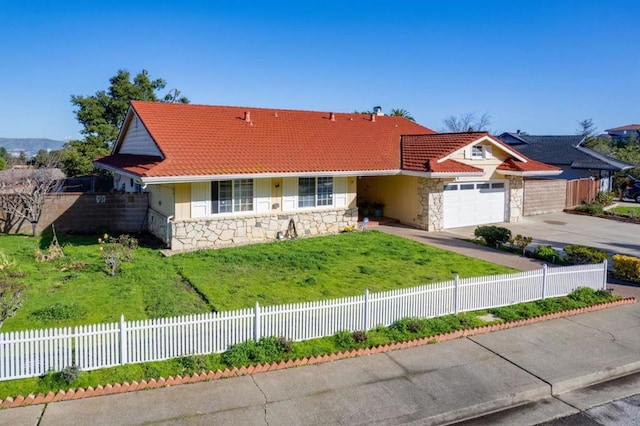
219 175
567 153
624 132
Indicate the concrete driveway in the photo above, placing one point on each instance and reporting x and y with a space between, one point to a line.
560 229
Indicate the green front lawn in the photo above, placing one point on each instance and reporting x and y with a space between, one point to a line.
626 211
77 289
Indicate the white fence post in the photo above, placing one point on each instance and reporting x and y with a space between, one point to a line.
256 322
604 278
123 341
544 281
456 295
76 344
365 311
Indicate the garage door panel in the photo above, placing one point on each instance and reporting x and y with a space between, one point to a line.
477 203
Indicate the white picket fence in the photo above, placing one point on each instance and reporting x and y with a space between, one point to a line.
34 352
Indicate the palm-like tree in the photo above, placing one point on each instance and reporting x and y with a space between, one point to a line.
401 112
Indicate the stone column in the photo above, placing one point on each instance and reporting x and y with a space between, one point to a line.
516 198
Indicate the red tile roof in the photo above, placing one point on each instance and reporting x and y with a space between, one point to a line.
217 140
421 153
627 127
136 164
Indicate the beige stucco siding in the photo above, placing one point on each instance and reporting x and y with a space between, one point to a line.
398 193
161 199
489 165
137 140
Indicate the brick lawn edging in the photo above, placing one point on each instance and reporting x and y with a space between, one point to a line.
109 389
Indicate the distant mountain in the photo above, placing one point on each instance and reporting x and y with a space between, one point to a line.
30 146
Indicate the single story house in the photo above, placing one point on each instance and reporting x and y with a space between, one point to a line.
221 175
568 153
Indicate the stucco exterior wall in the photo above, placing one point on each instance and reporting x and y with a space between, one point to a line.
161 199
195 234
398 193
544 196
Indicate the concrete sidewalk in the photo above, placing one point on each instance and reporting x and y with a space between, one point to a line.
432 384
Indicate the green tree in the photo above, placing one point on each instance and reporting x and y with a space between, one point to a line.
400 112
586 128
41 159
103 113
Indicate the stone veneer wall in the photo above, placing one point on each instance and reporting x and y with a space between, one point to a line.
430 204
194 234
516 198
158 225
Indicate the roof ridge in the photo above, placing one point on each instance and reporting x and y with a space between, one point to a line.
258 108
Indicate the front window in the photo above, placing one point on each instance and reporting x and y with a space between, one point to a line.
228 196
314 192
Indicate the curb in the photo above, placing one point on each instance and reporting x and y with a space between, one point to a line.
117 388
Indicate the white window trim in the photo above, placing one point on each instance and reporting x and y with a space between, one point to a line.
477 156
233 213
316 206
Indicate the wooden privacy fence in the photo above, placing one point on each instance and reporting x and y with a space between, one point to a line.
580 191
34 352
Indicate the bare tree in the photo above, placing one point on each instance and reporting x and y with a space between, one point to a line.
23 193
466 123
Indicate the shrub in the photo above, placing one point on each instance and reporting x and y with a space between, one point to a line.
53 252
580 255
626 267
547 253
5 262
604 198
592 209
494 236
69 374
344 340
521 242
267 349
115 251
360 336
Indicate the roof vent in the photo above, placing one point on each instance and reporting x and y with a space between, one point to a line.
373 118
332 116
377 110
247 116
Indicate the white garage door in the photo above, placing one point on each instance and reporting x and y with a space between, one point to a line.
473 203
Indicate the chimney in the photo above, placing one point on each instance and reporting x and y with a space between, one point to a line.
332 116
377 110
373 118
518 132
247 116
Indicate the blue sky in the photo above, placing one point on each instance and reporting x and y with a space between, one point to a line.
539 66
